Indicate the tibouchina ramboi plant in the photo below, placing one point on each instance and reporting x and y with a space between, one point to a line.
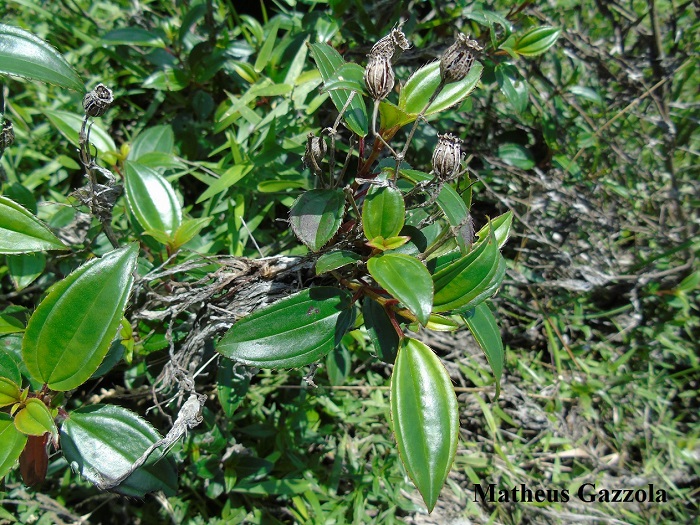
393 249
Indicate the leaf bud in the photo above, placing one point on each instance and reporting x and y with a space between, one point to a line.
447 156
97 102
379 76
458 59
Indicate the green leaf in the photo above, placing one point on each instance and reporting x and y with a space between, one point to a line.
188 229
168 79
329 62
34 419
513 87
501 226
334 260
383 212
316 216
451 204
24 55
483 327
392 117
70 332
228 179
21 232
268 46
466 279
151 199
348 76
381 331
537 41
159 139
9 324
423 83
13 442
9 391
338 365
69 125
101 442
232 383
25 268
296 331
406 279
516 155
9 367
425 416
132 36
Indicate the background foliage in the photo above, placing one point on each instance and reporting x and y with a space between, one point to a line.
593 146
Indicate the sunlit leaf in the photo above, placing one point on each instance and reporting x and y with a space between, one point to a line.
13 442
21 232
316 216
537 41
483 327
383 212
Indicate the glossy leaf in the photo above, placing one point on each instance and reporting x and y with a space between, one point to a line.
516 155
381 331
132 36
406 279
465 279
9 391
425 416
293 332
71 330
188 229
21 232
487 288
13 442
440 323
89 445
267 47
160 139
152 199
383 212
34 419
25 55
500 226
392 118
69 125
512 86
482 324
316 216
348 76
334 260
537 41
329 61
25 268
418 89
232 383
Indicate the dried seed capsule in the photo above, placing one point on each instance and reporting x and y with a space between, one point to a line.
97 102
386 46
7 136
458 59
379 76
316 149
447 156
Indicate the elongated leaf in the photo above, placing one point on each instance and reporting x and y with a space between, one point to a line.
70 332
101 442
482 325
34 419
152 199
501 228
69 125
424 82
232 383
381 331
9 367
132 36
383 212
487 287
159 139
21 232
406 279
537 41
425 416
25 268
316 216
348 76
465 279
293 332
334 260
9 391
267 47
512 86
13 442
25 55
516 155
329 61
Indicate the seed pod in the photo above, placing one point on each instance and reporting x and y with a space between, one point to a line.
386 46
316 150
447 156
458 59
97 102
379 76
7 136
